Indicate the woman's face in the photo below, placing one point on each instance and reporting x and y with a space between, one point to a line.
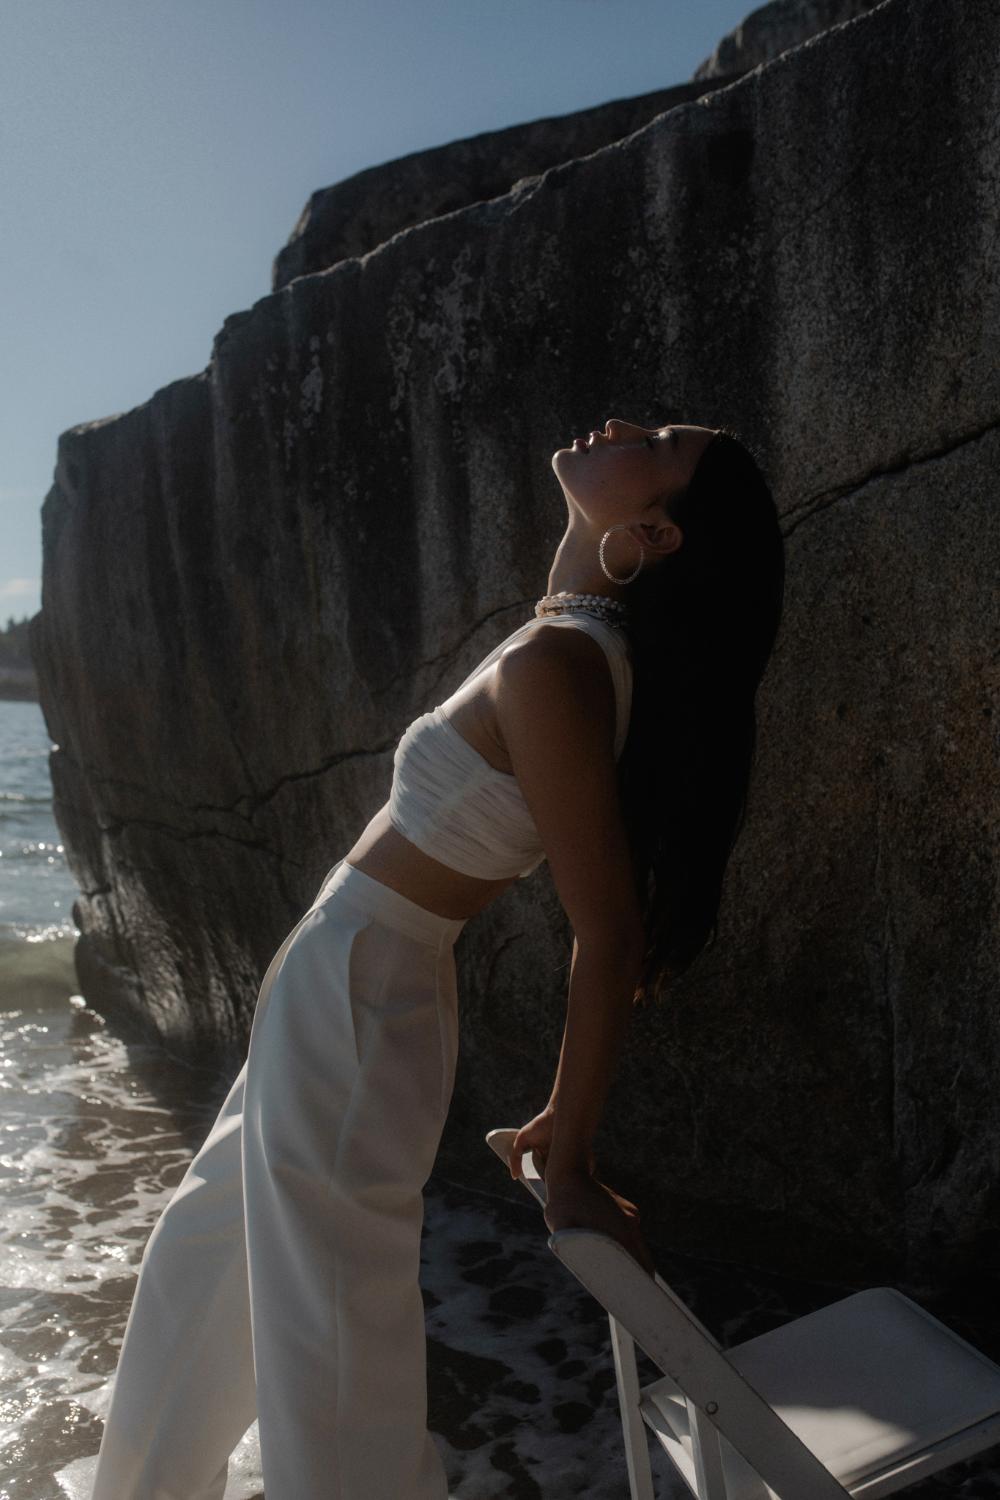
623 469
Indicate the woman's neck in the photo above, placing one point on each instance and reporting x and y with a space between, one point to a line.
576 568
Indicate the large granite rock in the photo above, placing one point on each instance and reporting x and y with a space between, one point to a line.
772 29
253 581
353 216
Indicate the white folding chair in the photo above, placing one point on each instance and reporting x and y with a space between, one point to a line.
863 1397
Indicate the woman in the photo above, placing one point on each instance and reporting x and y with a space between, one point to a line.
611 733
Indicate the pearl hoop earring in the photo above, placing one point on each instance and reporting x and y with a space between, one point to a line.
622 526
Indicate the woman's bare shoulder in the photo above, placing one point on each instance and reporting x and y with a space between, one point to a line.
546 641
557 718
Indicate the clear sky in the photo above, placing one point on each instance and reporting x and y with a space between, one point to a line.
155 155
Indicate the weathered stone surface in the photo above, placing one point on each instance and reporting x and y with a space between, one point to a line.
256 579
353 216
772 29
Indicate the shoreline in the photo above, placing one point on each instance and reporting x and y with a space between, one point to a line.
18 686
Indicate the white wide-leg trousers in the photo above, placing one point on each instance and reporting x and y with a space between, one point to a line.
281 1280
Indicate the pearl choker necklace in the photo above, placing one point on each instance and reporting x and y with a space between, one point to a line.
599 605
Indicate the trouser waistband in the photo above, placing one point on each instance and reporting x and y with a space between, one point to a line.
371 896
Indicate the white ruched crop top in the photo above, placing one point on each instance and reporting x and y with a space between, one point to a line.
448 800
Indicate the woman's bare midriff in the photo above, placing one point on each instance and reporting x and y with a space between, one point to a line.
383 853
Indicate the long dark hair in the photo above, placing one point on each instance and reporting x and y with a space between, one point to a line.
701 626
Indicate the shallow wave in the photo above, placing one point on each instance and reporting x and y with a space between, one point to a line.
36 964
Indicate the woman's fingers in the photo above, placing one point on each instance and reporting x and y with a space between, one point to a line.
639 1248
535 1136
636 1246
641 1253
519 1146
594 1205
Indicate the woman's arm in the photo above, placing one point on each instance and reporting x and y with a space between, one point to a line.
556 711
536 1135
599 1008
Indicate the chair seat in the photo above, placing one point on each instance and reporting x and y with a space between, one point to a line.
868 1383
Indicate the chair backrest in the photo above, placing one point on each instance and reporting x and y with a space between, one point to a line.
663 1326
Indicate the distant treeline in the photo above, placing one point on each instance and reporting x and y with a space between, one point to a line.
14 643
17 675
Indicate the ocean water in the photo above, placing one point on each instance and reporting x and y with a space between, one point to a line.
36 888
94 1135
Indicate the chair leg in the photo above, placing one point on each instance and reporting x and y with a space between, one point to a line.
707 1454
640 1475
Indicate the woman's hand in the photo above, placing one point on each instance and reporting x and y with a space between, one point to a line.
536 1136
578 1201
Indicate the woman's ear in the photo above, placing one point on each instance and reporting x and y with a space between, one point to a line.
660 535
